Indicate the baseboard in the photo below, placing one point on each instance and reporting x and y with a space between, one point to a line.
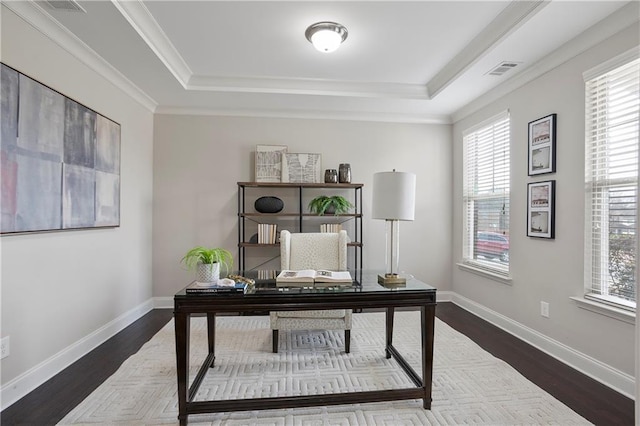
36 376
603 373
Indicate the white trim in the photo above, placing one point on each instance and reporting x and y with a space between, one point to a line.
512 17
605 309
38 18
615 379
310 114
488 122
163 302
505 279
611 64
139 17
611 25
20 386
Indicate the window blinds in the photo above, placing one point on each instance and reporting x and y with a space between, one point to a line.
611 174
486 195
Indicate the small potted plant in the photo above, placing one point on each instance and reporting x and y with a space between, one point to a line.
207 262
335 204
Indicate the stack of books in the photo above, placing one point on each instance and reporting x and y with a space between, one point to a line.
310 276
267 233
330 227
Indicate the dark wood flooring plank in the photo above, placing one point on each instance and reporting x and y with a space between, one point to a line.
50 402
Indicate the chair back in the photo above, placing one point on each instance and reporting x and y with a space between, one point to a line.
313 250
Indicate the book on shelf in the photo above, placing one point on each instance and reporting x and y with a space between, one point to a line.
330 227
215 287
313 276
267 233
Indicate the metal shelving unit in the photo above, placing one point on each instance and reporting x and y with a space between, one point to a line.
301 189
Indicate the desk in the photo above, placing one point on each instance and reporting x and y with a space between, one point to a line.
265 296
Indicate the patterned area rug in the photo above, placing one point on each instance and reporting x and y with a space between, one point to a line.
470 386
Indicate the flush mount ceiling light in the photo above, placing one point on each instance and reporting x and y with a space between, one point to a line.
326 36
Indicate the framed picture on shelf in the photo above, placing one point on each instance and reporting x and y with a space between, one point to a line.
302 168
541 209
269 162
542 145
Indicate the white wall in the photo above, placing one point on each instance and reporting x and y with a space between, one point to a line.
198 161
59 287
548 270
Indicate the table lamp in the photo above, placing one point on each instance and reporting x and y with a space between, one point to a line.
394 199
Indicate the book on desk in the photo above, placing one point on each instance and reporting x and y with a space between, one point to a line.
208 288
310 276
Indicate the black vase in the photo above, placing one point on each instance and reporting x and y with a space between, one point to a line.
269 204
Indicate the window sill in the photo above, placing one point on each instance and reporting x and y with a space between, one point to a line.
606 310
505 279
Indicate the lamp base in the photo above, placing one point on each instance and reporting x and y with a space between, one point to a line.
391 279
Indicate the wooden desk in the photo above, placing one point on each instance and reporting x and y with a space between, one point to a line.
265 296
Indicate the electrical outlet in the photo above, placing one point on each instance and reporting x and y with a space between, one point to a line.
4 347
544 309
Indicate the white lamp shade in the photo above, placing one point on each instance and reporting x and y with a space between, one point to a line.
394 195
326 40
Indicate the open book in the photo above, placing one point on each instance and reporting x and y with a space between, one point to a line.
311 276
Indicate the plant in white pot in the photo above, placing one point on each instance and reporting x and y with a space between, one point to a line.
207 262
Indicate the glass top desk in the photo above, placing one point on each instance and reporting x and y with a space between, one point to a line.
266 296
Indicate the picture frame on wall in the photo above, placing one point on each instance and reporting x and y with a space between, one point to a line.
542 145
60 160
541 209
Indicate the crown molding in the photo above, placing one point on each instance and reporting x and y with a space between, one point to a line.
311 115
512 17
38 18
309 87
139 17
616 22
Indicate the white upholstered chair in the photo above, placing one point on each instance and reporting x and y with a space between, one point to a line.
311 250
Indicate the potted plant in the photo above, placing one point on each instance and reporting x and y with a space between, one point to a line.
207 262
335 204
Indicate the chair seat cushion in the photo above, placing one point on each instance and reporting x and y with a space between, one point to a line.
331 313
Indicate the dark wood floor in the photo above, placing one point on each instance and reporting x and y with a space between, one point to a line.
49 403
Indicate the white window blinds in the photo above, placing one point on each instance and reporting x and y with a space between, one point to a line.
486 195
611 174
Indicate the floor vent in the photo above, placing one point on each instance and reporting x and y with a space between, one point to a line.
65 5
502 68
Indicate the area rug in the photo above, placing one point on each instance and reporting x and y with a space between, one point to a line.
470 386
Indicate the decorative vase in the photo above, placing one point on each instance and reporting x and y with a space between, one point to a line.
344 174
331 176
268 204
208 272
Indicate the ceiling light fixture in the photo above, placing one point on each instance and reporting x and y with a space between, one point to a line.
326 36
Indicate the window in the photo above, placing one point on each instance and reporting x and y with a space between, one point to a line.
486 195
611 174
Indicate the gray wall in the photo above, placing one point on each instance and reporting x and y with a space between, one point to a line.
547 270
60 287
198 161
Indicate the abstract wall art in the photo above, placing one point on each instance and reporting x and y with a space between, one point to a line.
60 161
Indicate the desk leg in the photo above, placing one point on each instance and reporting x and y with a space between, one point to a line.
427 320
182 362
389 329
211 334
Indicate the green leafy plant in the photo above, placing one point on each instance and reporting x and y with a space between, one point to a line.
324 204
208 256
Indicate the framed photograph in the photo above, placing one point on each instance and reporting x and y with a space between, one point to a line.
542 145
302 168
60 160
269 163
541 209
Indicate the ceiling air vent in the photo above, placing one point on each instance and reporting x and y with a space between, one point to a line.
65 5
502 68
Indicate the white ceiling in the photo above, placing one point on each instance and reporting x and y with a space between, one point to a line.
415 61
